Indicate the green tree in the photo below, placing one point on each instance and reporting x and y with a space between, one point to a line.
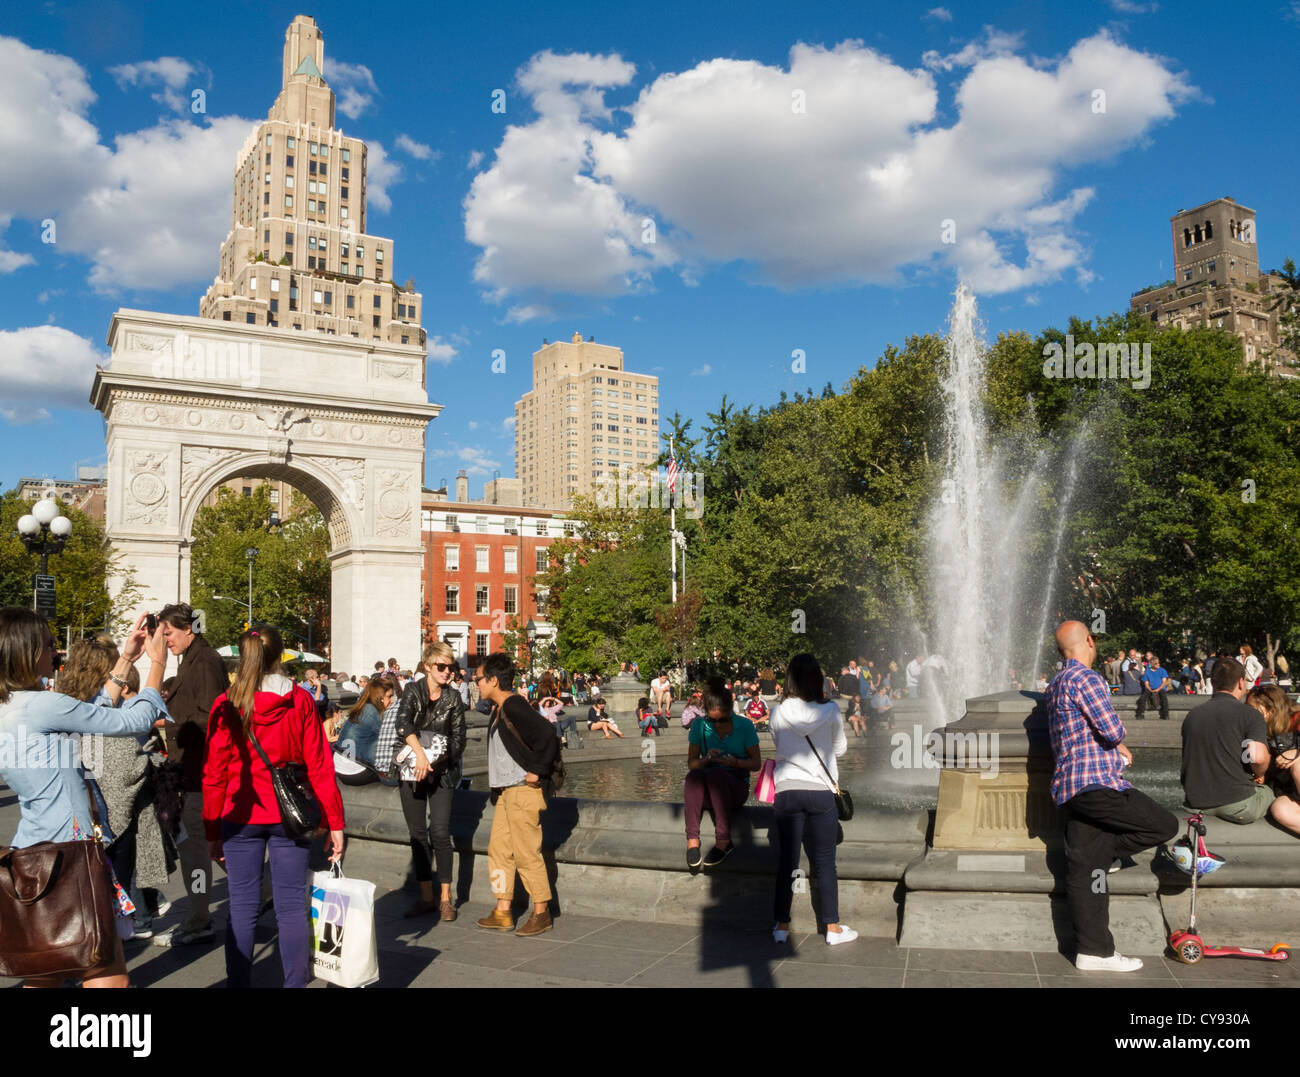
291 574
83 572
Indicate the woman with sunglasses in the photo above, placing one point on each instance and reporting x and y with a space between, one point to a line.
723 753
432 706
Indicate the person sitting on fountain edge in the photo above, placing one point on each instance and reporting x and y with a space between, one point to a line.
1105 817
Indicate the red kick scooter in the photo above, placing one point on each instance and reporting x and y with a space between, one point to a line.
1192 857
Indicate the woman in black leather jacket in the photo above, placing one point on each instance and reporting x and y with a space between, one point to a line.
431 705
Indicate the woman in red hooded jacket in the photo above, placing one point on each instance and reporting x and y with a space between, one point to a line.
241 815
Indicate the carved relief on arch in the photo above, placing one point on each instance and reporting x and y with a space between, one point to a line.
393 497
146 487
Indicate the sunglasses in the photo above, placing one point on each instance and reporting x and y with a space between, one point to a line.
442 667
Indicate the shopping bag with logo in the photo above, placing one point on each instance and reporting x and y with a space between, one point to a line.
344 949
765 787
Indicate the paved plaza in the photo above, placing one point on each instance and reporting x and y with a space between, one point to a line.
587 951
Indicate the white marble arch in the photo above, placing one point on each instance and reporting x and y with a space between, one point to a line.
191 402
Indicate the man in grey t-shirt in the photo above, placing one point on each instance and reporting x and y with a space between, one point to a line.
1225 754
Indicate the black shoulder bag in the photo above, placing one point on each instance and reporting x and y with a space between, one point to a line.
843 802
300 811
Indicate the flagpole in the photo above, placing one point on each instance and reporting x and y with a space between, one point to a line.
672 512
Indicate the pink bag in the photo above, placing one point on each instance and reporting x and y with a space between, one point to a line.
765 787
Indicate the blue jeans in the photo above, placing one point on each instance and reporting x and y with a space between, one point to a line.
245 846
802 816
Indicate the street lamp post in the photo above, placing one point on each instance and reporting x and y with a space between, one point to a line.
530 631
44 531
251 554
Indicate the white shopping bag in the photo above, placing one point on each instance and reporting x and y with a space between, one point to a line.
344 949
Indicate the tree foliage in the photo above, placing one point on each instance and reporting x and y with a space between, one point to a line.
291 574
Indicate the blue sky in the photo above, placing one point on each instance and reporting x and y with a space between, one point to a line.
798 163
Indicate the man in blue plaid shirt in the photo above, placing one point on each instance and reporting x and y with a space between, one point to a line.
1104 816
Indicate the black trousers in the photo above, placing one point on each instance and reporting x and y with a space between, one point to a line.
1100 825
1161 700
426 807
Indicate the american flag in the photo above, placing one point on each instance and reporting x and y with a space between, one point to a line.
672 470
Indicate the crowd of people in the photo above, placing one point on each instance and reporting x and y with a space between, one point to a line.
193 768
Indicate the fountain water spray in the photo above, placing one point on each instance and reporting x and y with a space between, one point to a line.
983 572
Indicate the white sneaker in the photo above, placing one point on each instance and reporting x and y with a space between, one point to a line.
779 935
845 934
1117 962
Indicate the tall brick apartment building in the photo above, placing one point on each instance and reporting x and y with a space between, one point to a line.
480 564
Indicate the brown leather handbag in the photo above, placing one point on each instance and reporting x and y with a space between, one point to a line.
57 912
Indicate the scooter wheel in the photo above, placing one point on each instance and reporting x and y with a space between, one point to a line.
1282 948
1189 951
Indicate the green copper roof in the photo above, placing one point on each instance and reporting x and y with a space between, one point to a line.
308 67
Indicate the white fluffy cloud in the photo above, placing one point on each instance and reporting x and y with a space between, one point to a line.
439 351
382 172
353 85
834 169
475 459
174 78
44 367
418 150
159 211
149 212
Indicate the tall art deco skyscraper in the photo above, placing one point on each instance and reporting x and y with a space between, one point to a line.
298 255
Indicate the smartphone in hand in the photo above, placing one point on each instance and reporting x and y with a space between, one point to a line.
151 623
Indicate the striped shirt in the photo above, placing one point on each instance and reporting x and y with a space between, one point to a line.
1085 731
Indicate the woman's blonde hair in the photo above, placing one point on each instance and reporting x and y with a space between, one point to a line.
437 649
259 656
22 638
1272 702
89 663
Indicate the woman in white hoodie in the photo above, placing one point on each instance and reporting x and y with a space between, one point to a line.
808 734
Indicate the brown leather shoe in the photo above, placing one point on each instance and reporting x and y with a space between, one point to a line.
537 923
448 911
497 920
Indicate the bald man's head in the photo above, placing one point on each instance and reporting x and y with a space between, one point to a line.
1074 641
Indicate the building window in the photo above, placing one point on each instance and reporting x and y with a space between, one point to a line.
449 522
346 155
250 318
291 142
275 284
542 561
375 321
512 560
288 160
480 559
481 598
351 297
542 596
452 555
480 525
511 604
288 201
482 644
376 298
452 600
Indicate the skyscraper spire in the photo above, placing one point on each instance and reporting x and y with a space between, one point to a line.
298 255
